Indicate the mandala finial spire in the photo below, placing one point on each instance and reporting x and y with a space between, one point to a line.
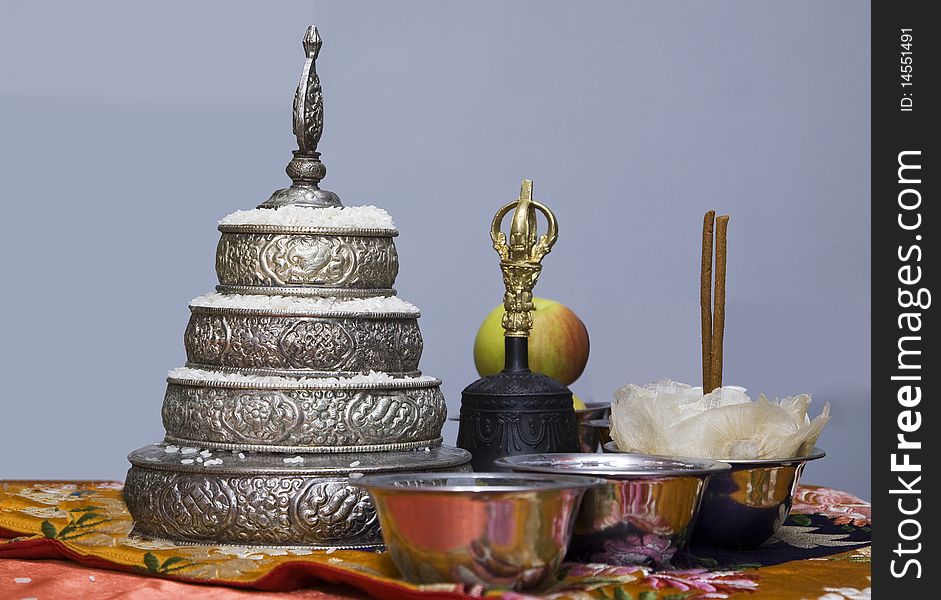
305 169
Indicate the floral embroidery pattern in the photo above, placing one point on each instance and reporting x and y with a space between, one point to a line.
153 565
82 521
843 508
715 584
846 593
635 549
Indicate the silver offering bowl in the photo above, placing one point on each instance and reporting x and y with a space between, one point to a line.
601 429
744 507
644 513
304 416
587 438
505 529
185 496
306 261
302 343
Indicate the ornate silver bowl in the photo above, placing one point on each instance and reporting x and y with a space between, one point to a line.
307 416
306 261
262 499
302 343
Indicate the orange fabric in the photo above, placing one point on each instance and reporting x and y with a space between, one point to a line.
56 579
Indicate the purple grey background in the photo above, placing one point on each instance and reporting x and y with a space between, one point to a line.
127 130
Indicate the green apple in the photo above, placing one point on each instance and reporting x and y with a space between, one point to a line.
558 342
577 403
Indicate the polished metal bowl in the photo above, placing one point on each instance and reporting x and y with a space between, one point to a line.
645 512
743 507
587 438
746 506
307 416
601 429
302 343
261 499
306 261
505 529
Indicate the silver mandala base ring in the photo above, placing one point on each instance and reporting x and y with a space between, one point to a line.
266 499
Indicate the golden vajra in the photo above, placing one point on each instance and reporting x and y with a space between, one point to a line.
521 258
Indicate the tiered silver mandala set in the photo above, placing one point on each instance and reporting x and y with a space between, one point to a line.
302 375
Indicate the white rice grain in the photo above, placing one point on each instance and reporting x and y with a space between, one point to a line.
376 304
363 217
373 377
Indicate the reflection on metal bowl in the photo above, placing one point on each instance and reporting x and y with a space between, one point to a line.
601 428
505 529
744 507
645 512
587 438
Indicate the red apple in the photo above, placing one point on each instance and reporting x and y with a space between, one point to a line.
558 342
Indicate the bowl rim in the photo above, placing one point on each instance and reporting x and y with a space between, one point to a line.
815 453
543 482
685 467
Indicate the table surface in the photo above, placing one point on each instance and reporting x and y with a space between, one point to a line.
70 539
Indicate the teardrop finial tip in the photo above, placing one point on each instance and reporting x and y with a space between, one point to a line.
312 42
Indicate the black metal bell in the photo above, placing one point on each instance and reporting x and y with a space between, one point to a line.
516 411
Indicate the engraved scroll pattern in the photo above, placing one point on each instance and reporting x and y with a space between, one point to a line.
304 343
257 510
303 417
250 259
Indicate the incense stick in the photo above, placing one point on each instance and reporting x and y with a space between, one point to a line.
705 299
718 311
